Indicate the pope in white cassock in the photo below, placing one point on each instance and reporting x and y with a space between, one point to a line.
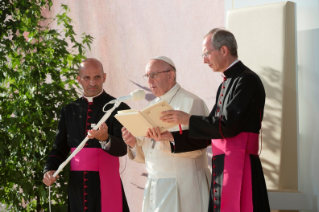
177 182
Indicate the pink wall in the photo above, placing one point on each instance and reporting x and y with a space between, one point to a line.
127 34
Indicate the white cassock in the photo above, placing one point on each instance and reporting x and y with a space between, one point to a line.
176 182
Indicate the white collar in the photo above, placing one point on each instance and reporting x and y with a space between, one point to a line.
169 94
233 63
90 99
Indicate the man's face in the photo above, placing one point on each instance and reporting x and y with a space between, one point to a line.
214 57
161 83
91 77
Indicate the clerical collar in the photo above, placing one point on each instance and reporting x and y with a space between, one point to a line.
90 99
170 94
234 70
233 63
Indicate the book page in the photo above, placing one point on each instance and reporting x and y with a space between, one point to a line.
153 113
127 111
134 122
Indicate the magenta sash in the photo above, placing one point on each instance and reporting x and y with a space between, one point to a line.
96 159
237 184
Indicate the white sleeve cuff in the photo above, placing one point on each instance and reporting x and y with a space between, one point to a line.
106 145
133 150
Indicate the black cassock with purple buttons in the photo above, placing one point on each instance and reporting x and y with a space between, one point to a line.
239 108
75 120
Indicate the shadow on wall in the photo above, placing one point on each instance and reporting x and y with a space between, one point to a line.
271 134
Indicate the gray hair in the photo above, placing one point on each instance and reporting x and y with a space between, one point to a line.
221 37
174 70
171 68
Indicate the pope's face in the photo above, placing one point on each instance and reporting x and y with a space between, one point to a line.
213 57
161 82
91 78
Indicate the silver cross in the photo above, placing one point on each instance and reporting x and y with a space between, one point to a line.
153 143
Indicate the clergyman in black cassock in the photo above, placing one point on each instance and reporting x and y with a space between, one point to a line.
238 183
94 180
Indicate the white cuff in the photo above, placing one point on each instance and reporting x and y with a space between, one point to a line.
133 150
106 144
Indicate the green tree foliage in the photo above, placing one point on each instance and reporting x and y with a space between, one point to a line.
38 68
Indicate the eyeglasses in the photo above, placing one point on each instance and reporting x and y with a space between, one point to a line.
206 54
153 75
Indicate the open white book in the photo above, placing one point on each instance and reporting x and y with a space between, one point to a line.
138 122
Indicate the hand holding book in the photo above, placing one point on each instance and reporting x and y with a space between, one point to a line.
139 122
175 116
128 138
157 135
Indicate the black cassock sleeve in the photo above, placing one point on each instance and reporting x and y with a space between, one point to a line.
183 143
118 146
241 112
60 149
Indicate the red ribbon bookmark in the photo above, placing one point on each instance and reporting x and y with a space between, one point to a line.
180 129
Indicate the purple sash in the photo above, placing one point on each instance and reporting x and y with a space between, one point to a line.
237 184
96 159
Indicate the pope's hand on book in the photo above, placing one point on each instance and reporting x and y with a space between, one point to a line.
156 134
128 138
